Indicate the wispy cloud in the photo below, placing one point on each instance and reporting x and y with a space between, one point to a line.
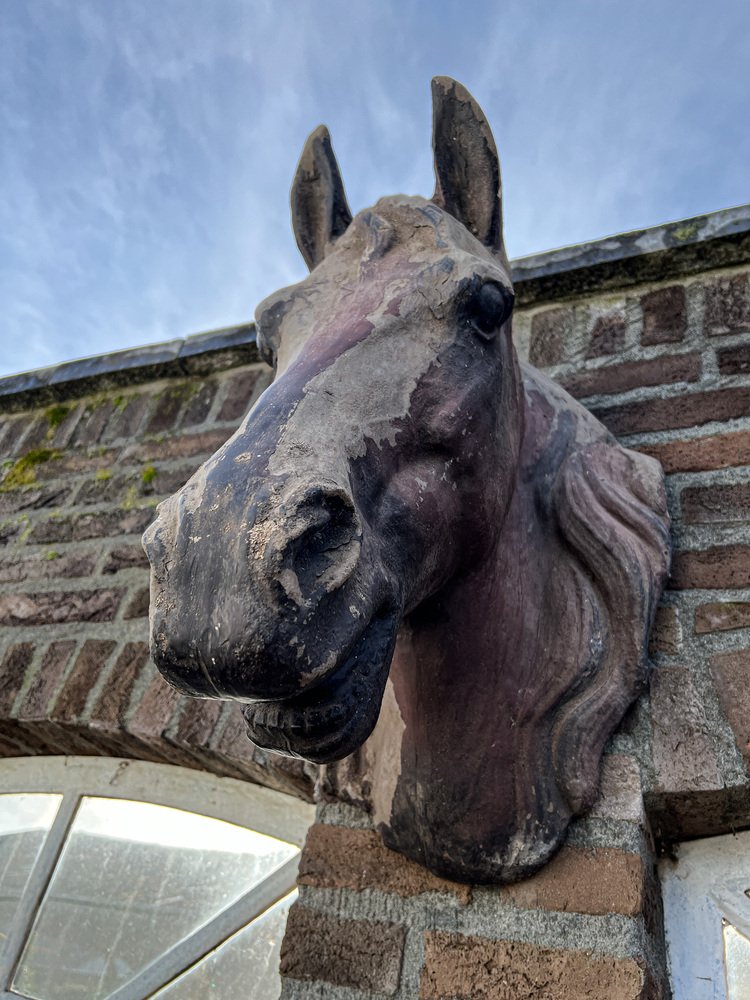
147 150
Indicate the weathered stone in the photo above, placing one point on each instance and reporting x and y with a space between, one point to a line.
687 410
664 315
715 451
607 335
731 672
666 632
361 954
238 395
40 693
720 567
198 406
634 374
327 862
55 607
720 503
727 308
125 557
138 605
683 752
475 968
15 664
551 331
113 703
734 360
620 793
596 881
722 616
361 489
92 659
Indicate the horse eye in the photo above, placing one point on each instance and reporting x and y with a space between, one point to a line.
488 308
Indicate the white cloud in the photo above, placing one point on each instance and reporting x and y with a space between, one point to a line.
147 155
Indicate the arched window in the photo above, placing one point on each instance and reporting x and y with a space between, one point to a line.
706 892
126 880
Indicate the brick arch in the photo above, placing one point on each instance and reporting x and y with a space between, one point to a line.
98 697
84 467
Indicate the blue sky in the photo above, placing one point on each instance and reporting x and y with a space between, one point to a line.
148 145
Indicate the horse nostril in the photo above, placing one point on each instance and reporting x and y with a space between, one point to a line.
324 543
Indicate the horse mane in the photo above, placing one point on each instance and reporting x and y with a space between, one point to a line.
608 506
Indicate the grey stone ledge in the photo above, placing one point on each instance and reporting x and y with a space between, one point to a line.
673 250
676 249
201 353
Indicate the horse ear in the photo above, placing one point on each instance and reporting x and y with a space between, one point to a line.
467 168
320 213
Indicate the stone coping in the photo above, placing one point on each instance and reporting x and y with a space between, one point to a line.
706 242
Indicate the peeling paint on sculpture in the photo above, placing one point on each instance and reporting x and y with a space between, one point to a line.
417 562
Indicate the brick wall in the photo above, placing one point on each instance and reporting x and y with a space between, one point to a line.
666 366
657 343
81 477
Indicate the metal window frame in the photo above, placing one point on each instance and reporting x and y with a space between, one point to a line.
75 778
704 885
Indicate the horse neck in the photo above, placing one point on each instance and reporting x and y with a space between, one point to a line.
468 676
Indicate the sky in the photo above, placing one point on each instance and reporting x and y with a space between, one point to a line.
147 146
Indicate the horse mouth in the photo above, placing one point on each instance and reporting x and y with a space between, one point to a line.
334 718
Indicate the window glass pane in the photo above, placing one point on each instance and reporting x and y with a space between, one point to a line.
24 822
737 963
246 965
133 880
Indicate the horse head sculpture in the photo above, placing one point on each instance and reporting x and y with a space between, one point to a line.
417 562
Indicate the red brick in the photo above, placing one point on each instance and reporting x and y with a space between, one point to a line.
664 315
204 443
198 720
15 665
70 704
620 791
100 524
474 968
92 424
584 880
722 616
154 708
56 607
734 360
199 404
238 395
127 418
727 307
634 374
731 672
114 700
718 504
47 566
73 463
722 567
687 410
682 738
125 557
13 501
166 409
551 331
666 633
607 335
138 605
11 435
361 954
41 692
336 857
717 451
